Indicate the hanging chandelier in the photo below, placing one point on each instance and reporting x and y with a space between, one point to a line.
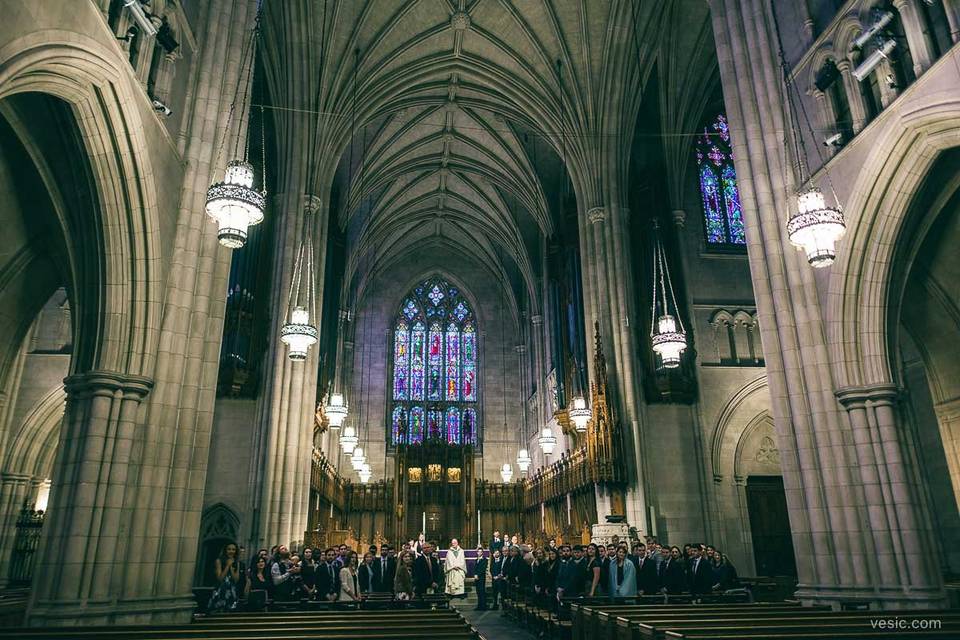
300 332
506 472
547 441
666 330
233 203
580 414
365 472
348 439
816 227
357 459
524 460
336 410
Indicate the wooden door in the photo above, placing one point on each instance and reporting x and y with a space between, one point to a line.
770 526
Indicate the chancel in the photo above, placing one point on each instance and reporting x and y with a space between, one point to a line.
479 318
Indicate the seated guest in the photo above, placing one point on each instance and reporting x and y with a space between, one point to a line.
648 582
480 579
426 571
367 575
623 577
672 577
328 577
724 573
283 574
349 581
699 573
403 578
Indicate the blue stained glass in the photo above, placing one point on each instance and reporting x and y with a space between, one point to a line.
722 210
453 425
435 360
731 198
399 423
416 424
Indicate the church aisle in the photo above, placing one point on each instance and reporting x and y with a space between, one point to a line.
492 625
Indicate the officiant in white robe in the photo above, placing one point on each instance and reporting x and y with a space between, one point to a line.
455 569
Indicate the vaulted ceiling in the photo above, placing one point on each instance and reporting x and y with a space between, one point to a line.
419 114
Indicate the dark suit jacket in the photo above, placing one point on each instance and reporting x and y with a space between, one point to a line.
385 570
701 579
648 582
672 577
368 579
570 578
426 571
480 572
326 581
496 544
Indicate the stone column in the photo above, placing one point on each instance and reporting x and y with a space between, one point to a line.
538 338
822 448
14 493
77 570
610 293
921 47
290 397
952 9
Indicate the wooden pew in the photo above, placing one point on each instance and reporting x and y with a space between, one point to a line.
355 625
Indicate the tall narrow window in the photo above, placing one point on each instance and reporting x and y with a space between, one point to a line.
722 213
435 367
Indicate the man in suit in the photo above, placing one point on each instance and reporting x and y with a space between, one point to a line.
497 542
480 579
699 574
328 577
426 571
569 575
496 577
648 582
385 568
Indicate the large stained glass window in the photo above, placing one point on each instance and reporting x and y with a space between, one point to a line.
435 367
722 214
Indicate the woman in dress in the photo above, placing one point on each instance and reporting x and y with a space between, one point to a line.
308 572
594 569
455 570
403 580
227 570
349 582
259 584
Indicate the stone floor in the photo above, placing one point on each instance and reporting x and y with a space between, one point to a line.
492 625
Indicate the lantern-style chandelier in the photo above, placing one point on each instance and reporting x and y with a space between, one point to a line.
336 410
524 460
815 227
580 414
365 472
357 458
506 472
666 329
348 439
233 203
300 332
547 440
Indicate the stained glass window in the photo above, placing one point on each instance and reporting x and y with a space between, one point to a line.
435 367
722 213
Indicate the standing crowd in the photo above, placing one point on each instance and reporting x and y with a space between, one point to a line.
335 574
614 570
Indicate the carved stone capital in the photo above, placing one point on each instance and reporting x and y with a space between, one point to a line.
520 348
597 215
859 397
679 217
107 383
536 320
460 21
